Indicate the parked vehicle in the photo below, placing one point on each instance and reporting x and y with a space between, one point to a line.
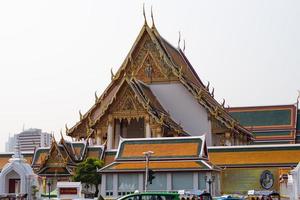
263 195
151 196
180 195
228 197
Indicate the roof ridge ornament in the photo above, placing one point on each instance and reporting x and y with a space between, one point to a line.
179 40
183 46
112 75
144 14
96 97
207 87
67 129
152 18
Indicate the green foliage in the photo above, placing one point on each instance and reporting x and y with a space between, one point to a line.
86 172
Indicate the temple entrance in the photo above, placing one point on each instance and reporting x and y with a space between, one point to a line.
134 128
13 182
14 186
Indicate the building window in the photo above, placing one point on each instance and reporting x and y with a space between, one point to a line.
159 182
127 183
201 181
109 185
182 181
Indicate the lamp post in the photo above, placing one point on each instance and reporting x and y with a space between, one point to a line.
209 181
49 188
147 157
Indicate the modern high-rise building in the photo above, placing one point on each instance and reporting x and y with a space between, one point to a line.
28 140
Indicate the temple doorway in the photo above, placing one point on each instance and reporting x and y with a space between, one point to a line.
14 182
14 186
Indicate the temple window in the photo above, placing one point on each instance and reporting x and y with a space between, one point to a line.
182 180
127 183
159 183
109 185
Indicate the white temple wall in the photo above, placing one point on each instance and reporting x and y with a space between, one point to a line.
183 108
115 185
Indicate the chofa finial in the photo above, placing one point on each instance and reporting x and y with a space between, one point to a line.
179 40
112 75
152 18
183 46
144 13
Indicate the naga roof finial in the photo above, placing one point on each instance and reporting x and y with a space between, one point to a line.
144 14
112 75
213 92
223 103
67 129
179 40
80 115
96 97
183 46
207 87
152 18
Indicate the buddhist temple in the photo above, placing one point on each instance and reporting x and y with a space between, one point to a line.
146 96
157 102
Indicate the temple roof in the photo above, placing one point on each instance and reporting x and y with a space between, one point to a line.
173 62
61 157
268 123
163 148
172 153
255 155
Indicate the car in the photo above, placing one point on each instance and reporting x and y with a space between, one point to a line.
263 195
151 196
228 197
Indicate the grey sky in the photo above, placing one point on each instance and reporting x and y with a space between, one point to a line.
55 54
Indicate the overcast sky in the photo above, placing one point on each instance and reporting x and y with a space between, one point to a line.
55 54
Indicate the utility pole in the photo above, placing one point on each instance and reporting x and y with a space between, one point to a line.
147 157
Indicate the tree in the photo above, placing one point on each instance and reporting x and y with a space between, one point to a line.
86 172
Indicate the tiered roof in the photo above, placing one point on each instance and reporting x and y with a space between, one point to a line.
173 66
269 124
170 154
60 158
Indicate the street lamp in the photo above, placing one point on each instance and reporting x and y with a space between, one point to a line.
49 187
147 157
209 181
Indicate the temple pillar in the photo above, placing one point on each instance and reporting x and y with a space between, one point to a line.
98 138
147 127
117 133
228 139
158 132
110 132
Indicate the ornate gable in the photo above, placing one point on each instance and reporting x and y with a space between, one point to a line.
147 63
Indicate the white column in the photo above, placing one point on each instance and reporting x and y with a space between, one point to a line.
228 139
99 140
141 182
117 134
110 133
169 181
115 185
147 127
103 185
195 180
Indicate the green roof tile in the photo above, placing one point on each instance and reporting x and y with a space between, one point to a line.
263 118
